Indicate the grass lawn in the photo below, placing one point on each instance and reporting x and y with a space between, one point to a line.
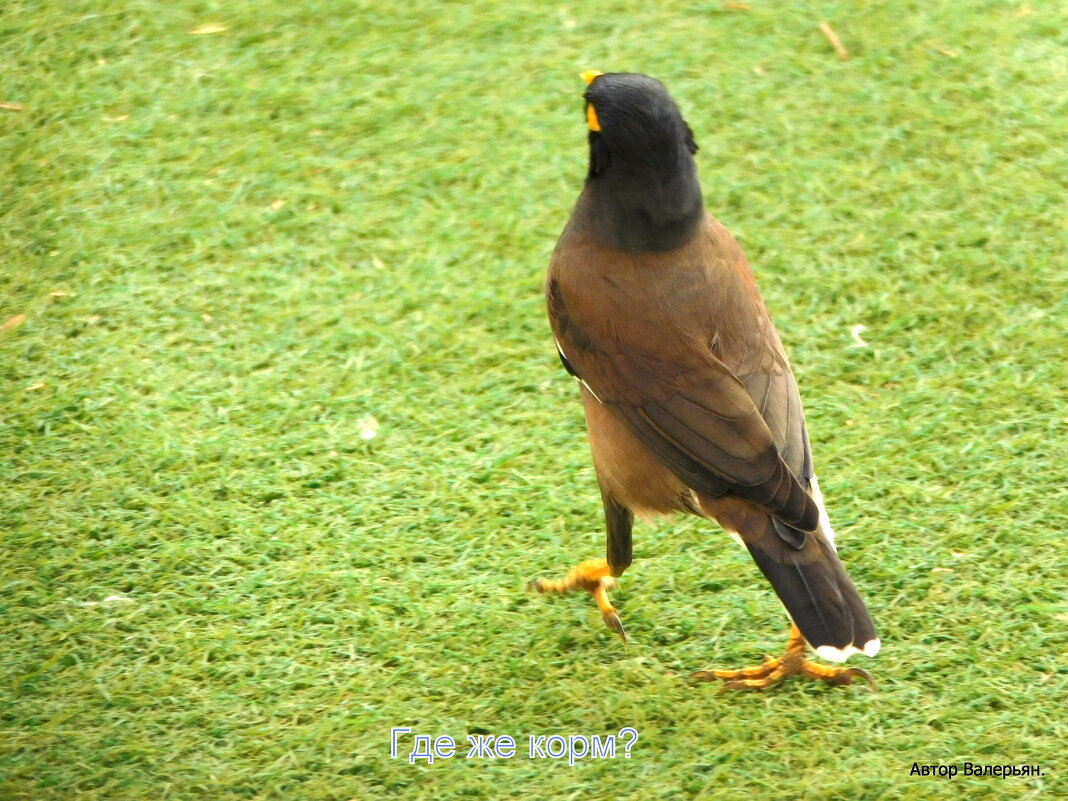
228 258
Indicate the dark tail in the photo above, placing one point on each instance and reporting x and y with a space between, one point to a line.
813 586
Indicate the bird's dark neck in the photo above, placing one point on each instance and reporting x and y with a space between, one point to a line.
639 208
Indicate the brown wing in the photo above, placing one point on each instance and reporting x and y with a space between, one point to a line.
700 421
770 384
719 430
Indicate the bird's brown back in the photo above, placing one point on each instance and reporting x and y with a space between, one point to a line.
688 308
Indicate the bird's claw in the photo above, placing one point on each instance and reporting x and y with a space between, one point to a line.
847 675
592 576
775 669
611 619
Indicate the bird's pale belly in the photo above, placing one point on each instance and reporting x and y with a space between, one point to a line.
626 468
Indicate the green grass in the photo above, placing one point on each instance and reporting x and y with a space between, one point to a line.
336 210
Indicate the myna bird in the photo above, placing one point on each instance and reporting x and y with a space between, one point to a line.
689 399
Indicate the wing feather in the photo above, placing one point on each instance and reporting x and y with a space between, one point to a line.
655 361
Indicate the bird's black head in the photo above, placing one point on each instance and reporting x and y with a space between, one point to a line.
634 124
642 192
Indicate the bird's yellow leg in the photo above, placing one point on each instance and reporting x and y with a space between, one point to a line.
595 577
775 669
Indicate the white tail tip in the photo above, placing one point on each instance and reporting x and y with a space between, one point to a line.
832 654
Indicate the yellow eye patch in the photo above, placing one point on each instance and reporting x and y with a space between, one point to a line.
591 113
591 118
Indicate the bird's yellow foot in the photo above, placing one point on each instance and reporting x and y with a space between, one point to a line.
775 669
595 577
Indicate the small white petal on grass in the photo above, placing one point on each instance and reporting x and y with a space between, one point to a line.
61 293
368 428
207 27
855 332
34 387
941 570
959 555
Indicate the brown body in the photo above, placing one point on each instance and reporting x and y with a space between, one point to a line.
687 331
705 302
628 472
